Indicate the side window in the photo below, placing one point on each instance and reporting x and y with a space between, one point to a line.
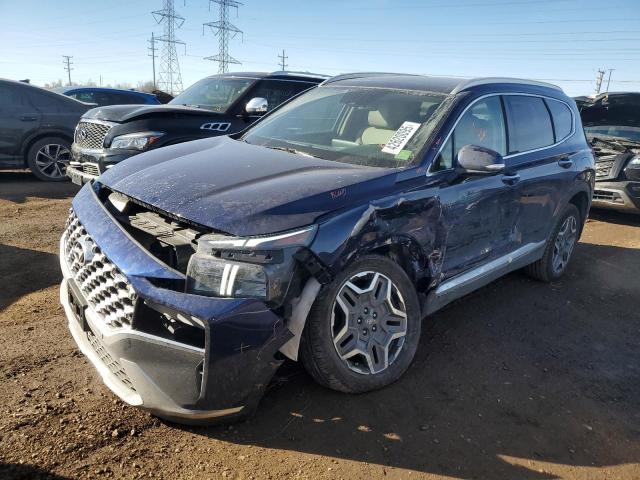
562 118
45 102
10 97
84 97
482 125
277 91
529 123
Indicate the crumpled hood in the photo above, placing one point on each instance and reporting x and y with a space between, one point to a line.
125 113
243 189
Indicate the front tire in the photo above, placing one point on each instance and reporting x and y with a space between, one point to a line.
48 159
363 329
559 248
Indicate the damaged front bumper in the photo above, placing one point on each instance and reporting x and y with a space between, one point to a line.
186 358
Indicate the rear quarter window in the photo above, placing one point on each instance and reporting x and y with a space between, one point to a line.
529 123
562 118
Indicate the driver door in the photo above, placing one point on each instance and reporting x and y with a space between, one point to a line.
479 210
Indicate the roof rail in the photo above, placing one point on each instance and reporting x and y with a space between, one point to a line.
349 76
473 82
298 74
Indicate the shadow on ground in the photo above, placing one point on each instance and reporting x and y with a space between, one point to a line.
539 372
24 271
17 185
611 216
11 471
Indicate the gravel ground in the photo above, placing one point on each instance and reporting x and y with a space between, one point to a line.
520 380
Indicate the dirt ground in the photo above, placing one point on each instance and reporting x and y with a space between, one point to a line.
520 380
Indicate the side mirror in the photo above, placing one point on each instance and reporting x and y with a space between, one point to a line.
479 160
257 106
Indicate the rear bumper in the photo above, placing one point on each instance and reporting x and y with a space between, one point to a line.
221 379
622 196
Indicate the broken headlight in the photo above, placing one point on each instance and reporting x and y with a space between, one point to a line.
249 267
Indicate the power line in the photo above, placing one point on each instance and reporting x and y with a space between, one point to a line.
170 79
67 65
283 57
224 30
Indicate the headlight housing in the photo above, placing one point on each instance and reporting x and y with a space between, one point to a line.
634 163
245 267
135 141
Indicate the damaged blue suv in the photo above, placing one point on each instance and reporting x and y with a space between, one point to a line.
325 232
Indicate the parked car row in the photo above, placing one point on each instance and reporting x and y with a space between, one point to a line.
323 232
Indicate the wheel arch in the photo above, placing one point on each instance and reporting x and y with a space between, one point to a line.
26 146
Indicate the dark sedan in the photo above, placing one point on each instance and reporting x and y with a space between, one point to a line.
36 129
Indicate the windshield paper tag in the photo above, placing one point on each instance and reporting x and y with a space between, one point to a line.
401 137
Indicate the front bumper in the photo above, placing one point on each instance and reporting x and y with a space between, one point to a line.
87 164
224 379
623 196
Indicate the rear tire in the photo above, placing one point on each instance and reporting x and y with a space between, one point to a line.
560 245
48 159
371 314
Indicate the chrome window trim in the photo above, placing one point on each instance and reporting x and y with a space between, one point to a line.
573 126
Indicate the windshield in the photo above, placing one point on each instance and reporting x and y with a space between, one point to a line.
627 133
215 93
362 126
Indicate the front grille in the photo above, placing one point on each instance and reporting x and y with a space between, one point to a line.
604 165
111 363
91 134
91 168
104 287
607 196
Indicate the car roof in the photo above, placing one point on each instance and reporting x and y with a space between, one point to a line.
279 75
99 89
41 89
427 83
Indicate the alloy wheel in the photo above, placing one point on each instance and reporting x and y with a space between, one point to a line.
368 322
52 160
565 241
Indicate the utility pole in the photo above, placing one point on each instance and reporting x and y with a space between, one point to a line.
283 57
169 79
599 78
152 49
609 80
67 65
224 30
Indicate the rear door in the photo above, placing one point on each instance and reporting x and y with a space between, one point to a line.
18 120
537 128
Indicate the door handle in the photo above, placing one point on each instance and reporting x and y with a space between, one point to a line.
511 179
28 118
565 162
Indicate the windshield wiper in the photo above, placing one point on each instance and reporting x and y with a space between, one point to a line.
293 150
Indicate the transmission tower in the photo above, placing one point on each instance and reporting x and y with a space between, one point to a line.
599 78
169 78
67 65
224 30
283 58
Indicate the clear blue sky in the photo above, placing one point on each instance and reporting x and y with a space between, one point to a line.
563 41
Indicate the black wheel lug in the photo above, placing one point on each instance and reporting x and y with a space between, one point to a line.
365 331
374 315
359 320
374 328
366 310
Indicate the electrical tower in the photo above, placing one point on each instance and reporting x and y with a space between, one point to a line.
152 54
67 65
224 30
169 79
599 78
283 58
609 80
